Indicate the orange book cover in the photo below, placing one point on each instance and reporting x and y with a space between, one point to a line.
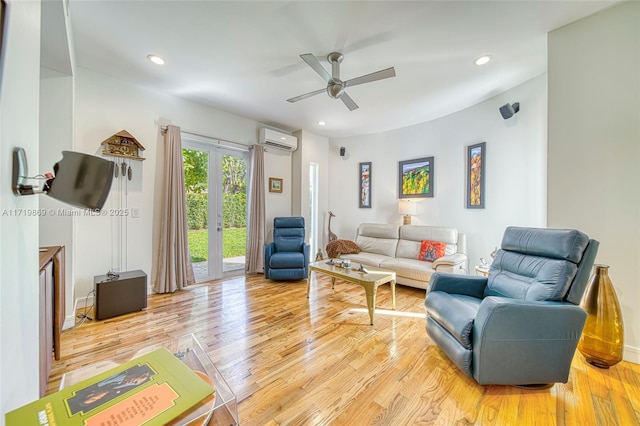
153 389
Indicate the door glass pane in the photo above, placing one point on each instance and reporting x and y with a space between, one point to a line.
196 178
234 213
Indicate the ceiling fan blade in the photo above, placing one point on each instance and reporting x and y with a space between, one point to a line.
313 62
374 76
306 95
348 102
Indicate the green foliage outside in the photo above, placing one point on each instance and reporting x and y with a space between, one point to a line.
234 210
197 210
196 170
234 243
234 199
234 182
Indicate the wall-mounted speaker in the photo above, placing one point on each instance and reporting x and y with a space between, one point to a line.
343 151
507 110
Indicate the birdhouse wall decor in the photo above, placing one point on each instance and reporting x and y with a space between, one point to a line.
122 144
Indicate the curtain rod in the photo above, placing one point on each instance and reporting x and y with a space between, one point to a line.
163 130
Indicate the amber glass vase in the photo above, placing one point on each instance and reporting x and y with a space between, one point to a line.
603 335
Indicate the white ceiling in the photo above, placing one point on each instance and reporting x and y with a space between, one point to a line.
243 57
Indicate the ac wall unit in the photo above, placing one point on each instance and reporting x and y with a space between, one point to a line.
277 139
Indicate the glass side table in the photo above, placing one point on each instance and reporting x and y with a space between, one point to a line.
188 350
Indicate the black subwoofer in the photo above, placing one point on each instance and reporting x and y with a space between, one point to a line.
117 295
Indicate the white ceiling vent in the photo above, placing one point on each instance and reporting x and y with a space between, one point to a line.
278 140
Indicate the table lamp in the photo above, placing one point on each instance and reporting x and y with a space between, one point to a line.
407 208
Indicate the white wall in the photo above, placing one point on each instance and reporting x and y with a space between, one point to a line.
56 135
105 106
594 145
19 312
277 164
312 148
515 182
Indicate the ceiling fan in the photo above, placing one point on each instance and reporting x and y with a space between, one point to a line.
335 87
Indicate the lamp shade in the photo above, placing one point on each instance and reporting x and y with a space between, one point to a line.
406 207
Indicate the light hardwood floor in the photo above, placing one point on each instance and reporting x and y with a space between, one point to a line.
297 361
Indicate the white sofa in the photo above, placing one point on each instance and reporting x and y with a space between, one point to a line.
396 248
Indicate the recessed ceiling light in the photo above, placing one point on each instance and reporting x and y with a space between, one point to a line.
156 59
482 60
321 123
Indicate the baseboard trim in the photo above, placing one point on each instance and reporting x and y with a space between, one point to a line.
70 321
631 354
83 302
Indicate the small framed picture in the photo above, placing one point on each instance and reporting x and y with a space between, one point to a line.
415 178
275 184
365 185
476 165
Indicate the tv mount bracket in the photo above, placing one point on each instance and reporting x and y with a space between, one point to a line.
20 179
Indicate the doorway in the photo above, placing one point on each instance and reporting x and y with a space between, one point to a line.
216 193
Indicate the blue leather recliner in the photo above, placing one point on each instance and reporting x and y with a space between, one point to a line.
521 324
287 257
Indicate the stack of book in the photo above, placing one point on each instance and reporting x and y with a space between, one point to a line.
154 389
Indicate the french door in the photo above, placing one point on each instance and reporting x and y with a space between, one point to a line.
215 181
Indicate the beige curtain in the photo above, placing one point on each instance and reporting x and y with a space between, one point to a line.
255 229
174 270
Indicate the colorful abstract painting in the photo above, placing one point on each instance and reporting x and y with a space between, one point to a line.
415 178
476 159
365 185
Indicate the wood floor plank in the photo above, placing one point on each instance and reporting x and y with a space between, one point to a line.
293 360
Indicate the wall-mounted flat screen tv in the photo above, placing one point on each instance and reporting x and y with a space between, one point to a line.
81 180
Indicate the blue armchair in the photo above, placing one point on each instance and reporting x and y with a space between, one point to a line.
521 324
287 257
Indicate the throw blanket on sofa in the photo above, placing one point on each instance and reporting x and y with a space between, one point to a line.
337 247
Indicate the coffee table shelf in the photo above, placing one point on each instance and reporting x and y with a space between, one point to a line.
189 351
370 279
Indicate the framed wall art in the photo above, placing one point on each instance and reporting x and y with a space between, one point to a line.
275 184
364 172
476 169
415 178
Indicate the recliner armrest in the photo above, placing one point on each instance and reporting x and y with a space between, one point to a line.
269 249
306 250
467 285
501 318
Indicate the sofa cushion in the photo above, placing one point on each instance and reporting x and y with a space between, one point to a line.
536 264
567 244
431 250
287 260
371 259
396 248
288 233
414 269
411 237
378 238
526 277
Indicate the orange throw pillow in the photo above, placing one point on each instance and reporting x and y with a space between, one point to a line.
431 250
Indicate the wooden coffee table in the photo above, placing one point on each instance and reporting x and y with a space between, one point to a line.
370 281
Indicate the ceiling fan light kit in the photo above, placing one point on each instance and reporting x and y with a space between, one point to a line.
335 86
